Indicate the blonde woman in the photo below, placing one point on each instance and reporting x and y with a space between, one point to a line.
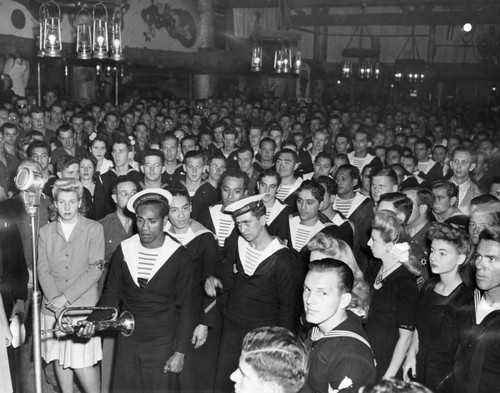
68 249
394 293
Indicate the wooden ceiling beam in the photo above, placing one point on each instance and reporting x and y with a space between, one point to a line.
353 3
395 19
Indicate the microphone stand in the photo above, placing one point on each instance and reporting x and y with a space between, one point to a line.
31 202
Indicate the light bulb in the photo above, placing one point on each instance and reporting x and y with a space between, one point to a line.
52 39
100 40
116 43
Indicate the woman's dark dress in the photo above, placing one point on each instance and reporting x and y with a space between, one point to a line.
436 323
392 307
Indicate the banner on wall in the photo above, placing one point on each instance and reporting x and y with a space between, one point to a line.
147 24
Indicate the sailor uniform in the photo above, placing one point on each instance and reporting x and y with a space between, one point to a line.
162 309
263 294
342 358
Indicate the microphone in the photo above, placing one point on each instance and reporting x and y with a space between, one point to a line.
31 182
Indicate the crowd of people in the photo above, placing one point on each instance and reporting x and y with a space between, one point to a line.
260 245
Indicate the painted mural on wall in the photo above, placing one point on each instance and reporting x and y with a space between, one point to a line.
147 24
162 24
179 23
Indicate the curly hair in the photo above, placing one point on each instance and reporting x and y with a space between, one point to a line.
461 241
339 249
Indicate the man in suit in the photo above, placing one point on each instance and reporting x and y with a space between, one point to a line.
462 163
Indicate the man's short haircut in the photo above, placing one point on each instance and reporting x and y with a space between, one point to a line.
231 130
424 197
343 135
236 173
492 233
411 157
328 183
395 148
78 115
194 154
8 125
462 149
169 135
341 156
219 124
65 162
89 118
120 180
317 190
155 153
244 149
217 155
64 128
267 140
270 172
364 132
112 114
276 356
119 139
181 192
423 141
386 172
37 110
294 154
450 188
190 138
485 199
36 144
323 154
344 272
351 170
401 202
138 124
275 127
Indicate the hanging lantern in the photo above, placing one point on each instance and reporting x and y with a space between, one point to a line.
287 57
278 58
116 36
52 44
256 65
398 75
376 71
83 35
298 62
368 70
43 14
362 70
346 69
100 33
52 37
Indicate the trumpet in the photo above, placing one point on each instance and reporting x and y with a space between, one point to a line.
125 323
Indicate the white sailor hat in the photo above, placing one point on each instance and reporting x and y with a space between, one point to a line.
150 194
245 205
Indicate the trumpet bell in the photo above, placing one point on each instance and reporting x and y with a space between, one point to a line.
125 323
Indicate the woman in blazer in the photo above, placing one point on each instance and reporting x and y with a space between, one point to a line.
68 250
